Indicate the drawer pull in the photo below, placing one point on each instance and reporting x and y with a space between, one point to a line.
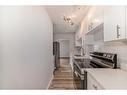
118 31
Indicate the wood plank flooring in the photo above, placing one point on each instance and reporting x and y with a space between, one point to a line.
63 79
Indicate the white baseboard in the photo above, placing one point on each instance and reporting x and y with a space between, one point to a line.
50 82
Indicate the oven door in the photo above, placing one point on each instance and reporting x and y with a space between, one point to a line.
79 82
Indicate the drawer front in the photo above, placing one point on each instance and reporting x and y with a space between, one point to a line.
92 83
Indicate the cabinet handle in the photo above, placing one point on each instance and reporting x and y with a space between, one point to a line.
95 87
118 31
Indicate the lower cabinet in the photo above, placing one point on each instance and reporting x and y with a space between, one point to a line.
92 84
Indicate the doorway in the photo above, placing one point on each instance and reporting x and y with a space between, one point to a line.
64 49
63 77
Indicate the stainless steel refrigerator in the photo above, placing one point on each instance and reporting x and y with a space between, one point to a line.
56 53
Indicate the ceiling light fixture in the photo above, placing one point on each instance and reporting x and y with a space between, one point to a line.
68 20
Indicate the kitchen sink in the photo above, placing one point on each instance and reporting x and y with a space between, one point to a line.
78 57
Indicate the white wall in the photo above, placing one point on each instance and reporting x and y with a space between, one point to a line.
64 48
26 35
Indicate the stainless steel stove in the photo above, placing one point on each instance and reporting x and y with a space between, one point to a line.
97 60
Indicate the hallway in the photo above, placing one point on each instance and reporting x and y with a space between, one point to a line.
63 78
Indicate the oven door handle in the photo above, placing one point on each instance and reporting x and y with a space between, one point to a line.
101 63
79 75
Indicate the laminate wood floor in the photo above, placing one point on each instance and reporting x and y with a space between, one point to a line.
63 78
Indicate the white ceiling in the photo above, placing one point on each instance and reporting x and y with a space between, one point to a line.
57 14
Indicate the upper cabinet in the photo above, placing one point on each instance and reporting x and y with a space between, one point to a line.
95 18
114 23
93 25
78 37
109 21
126 22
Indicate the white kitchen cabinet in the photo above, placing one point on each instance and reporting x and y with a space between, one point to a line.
78 42
92 84
126 21
79 35
95 18
90 17
114 23
78 39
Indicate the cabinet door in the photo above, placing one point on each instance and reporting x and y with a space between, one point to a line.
90 17
126 22
114 23
92 84
78 39
98 16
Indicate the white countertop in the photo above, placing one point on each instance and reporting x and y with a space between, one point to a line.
110 79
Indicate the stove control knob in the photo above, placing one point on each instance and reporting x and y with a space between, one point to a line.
109 56
104 55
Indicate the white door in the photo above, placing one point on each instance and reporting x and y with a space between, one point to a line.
114 23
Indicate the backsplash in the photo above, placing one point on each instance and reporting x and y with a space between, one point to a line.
120 48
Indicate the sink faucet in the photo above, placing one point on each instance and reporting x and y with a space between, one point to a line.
80 50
